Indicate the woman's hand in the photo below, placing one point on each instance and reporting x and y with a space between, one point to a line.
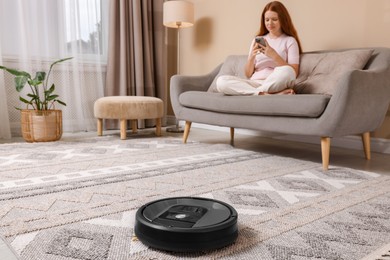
250 64
272 54
267 50
255 50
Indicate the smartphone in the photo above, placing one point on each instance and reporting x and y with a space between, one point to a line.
260 40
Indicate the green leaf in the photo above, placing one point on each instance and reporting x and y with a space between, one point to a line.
62 103
51 89
61 60
51 66
40 76
52 97
35 82
20 82
16 72
25 101
32 95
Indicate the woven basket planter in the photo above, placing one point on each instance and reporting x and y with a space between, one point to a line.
41 126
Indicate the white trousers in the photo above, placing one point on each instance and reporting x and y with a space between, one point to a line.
281 78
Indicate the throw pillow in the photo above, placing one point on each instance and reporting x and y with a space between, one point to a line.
233 65
319 73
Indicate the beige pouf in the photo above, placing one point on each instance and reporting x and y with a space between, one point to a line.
128 108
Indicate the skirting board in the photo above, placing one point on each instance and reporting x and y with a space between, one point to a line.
378 145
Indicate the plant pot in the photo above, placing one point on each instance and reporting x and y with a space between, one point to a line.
41 126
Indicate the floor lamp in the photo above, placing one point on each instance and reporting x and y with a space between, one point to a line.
178 14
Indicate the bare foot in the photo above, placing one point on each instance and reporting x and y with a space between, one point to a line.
288 91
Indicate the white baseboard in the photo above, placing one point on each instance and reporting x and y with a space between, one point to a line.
379 145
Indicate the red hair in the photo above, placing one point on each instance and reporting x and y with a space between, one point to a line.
286 23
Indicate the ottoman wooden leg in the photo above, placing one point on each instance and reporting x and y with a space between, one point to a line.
232 136
158 126
100 127
123 128
134 126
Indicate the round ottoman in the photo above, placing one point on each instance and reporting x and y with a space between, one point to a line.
128 108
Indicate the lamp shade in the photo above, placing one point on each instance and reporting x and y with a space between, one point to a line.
178 14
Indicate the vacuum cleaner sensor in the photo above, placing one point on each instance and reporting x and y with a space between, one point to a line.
186 224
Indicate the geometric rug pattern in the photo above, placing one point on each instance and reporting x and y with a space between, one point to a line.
77 199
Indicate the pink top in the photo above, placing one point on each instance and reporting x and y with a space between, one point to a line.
286 46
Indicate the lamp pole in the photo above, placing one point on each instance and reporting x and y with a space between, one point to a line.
178 14
177 128
178 47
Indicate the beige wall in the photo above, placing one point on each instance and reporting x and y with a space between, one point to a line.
225 27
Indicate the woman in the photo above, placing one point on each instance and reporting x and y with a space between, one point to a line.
273 63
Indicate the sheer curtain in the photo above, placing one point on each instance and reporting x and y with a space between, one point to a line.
33 34
5 130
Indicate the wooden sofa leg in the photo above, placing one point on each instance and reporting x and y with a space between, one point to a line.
186 131
231 135
325 151
367 145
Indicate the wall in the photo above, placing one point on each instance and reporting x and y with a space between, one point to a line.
227 27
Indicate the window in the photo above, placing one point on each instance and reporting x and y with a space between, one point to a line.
54 28
86 27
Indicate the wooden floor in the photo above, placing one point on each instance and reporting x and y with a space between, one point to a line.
379 163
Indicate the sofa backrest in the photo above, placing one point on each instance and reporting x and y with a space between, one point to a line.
233 65
320 70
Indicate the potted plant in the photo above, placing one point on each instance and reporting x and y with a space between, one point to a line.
40 121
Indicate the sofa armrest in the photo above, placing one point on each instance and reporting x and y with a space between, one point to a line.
359 104
181 83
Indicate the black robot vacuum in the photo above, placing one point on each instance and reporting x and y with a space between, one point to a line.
186 224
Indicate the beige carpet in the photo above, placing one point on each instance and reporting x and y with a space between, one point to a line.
76 199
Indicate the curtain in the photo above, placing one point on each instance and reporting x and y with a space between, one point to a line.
136 53
33 34
5 130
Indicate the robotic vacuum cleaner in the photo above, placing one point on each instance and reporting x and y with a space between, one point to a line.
186 224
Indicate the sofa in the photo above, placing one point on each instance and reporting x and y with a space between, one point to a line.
338 93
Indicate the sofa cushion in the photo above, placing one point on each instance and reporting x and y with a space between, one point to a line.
270 105
233 65
319 73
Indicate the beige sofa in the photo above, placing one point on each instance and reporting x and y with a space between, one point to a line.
339 93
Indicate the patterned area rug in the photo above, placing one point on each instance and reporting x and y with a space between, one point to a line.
76 199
